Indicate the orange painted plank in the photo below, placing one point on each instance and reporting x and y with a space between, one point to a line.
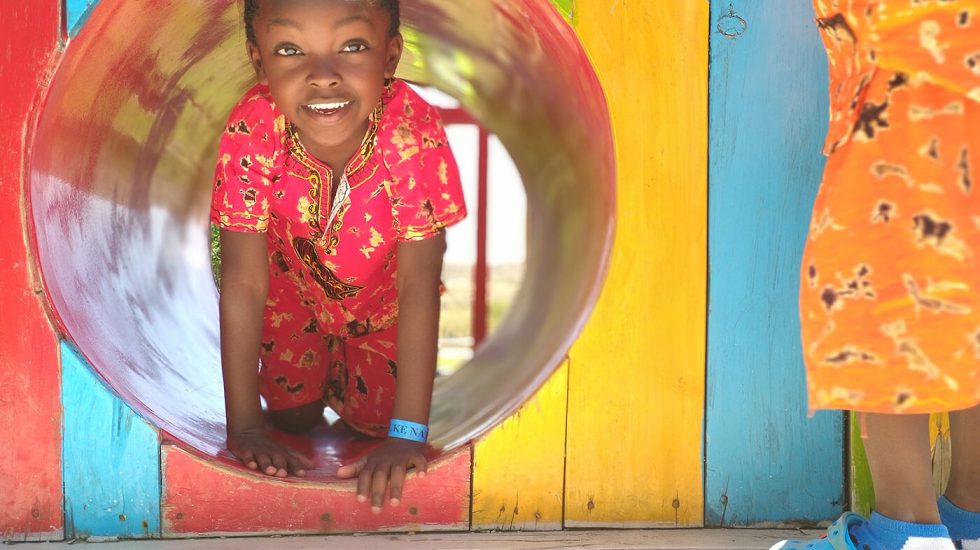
207 498
30 412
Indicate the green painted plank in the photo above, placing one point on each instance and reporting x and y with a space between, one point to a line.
566 7
861 489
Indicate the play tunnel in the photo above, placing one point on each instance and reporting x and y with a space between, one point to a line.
119 185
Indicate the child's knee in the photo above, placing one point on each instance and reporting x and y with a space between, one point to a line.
298 420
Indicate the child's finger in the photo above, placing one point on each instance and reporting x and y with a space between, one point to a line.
265 463
296 467
350 470
396 482
379 483
364 482
279 461
421 465
248 459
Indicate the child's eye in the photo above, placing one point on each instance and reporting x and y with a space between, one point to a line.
288 51
354 47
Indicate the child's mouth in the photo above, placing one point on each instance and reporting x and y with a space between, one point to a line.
326 108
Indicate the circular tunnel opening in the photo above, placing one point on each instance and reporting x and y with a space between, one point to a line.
120 182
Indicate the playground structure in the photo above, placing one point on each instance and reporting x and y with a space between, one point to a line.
111 120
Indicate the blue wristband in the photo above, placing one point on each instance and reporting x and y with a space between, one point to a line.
413 431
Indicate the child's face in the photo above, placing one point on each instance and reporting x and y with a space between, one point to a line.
325 62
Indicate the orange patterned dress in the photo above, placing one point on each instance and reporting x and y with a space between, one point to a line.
890 281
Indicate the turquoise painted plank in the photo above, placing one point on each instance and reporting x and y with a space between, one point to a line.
76 14
111 459
766 462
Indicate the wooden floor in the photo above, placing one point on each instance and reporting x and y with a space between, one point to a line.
680 539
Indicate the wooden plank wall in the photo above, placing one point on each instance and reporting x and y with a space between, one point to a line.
766 461
636 375
632 393
30 456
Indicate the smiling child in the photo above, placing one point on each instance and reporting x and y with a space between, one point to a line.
333 189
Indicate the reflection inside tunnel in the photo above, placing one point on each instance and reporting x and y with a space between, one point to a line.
482 269
119 188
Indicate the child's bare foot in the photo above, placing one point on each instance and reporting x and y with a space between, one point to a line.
385 469
260 452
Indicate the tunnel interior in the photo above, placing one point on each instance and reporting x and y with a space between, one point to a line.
119 182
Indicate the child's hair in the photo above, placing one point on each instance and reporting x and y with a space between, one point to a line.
390 6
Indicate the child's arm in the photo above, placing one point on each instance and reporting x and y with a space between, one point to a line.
244 289
419 273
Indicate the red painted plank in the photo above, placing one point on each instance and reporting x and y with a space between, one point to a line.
203 497
481 272
30 414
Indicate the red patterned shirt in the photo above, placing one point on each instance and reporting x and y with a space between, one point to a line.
335 256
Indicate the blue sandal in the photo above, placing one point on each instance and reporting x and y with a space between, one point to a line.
837 537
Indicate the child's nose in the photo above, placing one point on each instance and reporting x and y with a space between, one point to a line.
323 73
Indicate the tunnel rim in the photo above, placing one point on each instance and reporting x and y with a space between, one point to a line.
140 408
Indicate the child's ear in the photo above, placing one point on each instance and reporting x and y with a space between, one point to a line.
256 59
395 46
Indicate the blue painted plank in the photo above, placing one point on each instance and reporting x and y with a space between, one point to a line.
76 14
766 462
111 459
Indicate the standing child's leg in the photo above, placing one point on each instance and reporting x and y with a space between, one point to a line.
906 515
960 507
901 466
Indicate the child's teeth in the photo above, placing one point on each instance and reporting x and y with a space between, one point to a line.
328 106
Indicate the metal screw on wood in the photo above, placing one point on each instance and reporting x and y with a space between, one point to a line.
732 25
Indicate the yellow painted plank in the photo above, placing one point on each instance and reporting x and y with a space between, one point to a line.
519 468
636 376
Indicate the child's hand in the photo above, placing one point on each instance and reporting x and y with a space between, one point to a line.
385 468
260 452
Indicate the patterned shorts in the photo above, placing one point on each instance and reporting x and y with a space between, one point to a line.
354 376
